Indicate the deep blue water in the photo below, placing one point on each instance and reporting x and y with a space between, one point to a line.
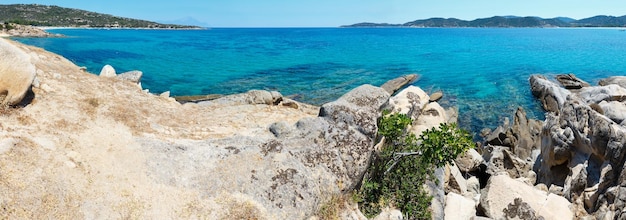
484 72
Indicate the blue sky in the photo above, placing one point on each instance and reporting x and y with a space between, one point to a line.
332 13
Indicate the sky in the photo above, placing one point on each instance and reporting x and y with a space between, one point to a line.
332 13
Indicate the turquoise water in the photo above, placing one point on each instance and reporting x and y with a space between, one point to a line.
484 72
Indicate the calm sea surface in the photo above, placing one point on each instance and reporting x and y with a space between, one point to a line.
484 72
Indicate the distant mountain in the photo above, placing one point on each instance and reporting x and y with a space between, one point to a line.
565 19
601 21
44 15
437 22
508 21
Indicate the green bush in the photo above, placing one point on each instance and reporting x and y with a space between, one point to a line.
398 172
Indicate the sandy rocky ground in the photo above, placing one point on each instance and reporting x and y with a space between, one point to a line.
76 150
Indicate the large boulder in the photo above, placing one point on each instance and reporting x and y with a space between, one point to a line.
290 175
131 76
108 71
16 73
431 117
614 110
500 160
459 207
616 80
598 94
469 161
410 101
551 95
505 197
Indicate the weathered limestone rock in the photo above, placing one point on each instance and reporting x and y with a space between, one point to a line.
132 76
108 71
392 86
522 137
473 187
436 190
550 94
501 161
410 101
454 181
614 110
249 98
583 146
389 214
617 80
289 174
459 207
598 94
570 81
526 134
469 161
501 191
431 117
16 73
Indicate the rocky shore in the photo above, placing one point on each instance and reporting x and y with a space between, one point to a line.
17 30
80 145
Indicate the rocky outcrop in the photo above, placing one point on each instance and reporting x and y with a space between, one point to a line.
570 81
131 76
614 80
582 149
17 30
551 95
241 157
291 173
16 73
597 94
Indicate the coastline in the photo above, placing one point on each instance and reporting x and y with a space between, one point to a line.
158 157
116 28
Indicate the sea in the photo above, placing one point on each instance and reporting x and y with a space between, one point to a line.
481 71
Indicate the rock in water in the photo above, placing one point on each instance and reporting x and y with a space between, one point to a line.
436 96
132 76
570 81
107 71
16 73
550 94
392 86
251 97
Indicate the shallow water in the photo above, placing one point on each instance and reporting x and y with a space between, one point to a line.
482 71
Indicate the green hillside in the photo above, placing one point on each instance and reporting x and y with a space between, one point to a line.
44 15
